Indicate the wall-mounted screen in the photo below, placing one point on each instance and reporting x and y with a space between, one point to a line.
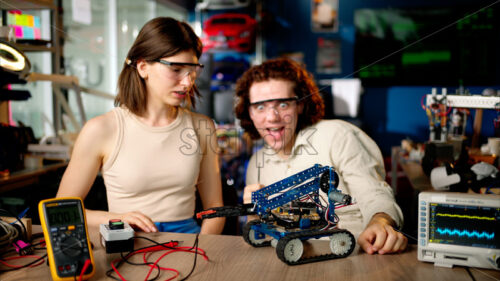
447 46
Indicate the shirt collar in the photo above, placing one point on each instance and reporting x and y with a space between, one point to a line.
300 140
270 155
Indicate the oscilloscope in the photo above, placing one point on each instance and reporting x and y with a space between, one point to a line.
459 229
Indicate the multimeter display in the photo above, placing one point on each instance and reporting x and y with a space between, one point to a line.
66 236
68 214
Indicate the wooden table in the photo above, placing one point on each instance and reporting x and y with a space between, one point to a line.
27 177
232 259
418 180
411 169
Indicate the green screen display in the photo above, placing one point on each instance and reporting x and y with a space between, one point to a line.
427 45
64 215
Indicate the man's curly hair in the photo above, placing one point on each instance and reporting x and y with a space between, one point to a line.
280 69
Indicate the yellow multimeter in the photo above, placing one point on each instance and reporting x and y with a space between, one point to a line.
66 236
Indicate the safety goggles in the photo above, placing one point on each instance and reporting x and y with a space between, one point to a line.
179 70
282 105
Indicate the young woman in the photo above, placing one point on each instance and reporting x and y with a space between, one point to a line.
152 151
279 102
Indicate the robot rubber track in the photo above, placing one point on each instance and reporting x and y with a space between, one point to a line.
283 242
342 240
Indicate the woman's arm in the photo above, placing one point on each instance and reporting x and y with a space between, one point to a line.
209 182
86 159
89 152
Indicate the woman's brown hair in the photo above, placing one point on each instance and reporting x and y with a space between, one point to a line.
158 38
280 69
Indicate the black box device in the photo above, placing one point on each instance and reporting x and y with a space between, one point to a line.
117 236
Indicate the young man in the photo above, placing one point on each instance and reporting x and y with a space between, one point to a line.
279 102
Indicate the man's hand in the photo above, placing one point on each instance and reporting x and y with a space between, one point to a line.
380 237
247 197
247 192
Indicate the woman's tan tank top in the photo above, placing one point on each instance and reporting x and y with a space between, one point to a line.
153 170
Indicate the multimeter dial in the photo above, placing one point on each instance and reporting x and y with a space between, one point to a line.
71 247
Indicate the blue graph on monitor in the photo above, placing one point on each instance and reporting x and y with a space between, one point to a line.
465 232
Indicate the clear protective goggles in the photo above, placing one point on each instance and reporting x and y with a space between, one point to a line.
280 106
179 70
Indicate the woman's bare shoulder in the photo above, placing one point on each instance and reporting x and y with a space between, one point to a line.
102 127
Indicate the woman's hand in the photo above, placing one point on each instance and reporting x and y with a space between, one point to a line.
380 237
137 219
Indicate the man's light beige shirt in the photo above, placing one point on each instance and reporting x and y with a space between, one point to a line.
354 156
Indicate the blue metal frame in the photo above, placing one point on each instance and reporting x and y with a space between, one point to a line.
264 205
260 230
300 184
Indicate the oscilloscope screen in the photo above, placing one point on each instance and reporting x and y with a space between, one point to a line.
464 225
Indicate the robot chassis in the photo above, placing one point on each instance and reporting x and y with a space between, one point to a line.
286 218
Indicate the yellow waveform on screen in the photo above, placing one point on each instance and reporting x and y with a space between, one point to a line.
465 217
